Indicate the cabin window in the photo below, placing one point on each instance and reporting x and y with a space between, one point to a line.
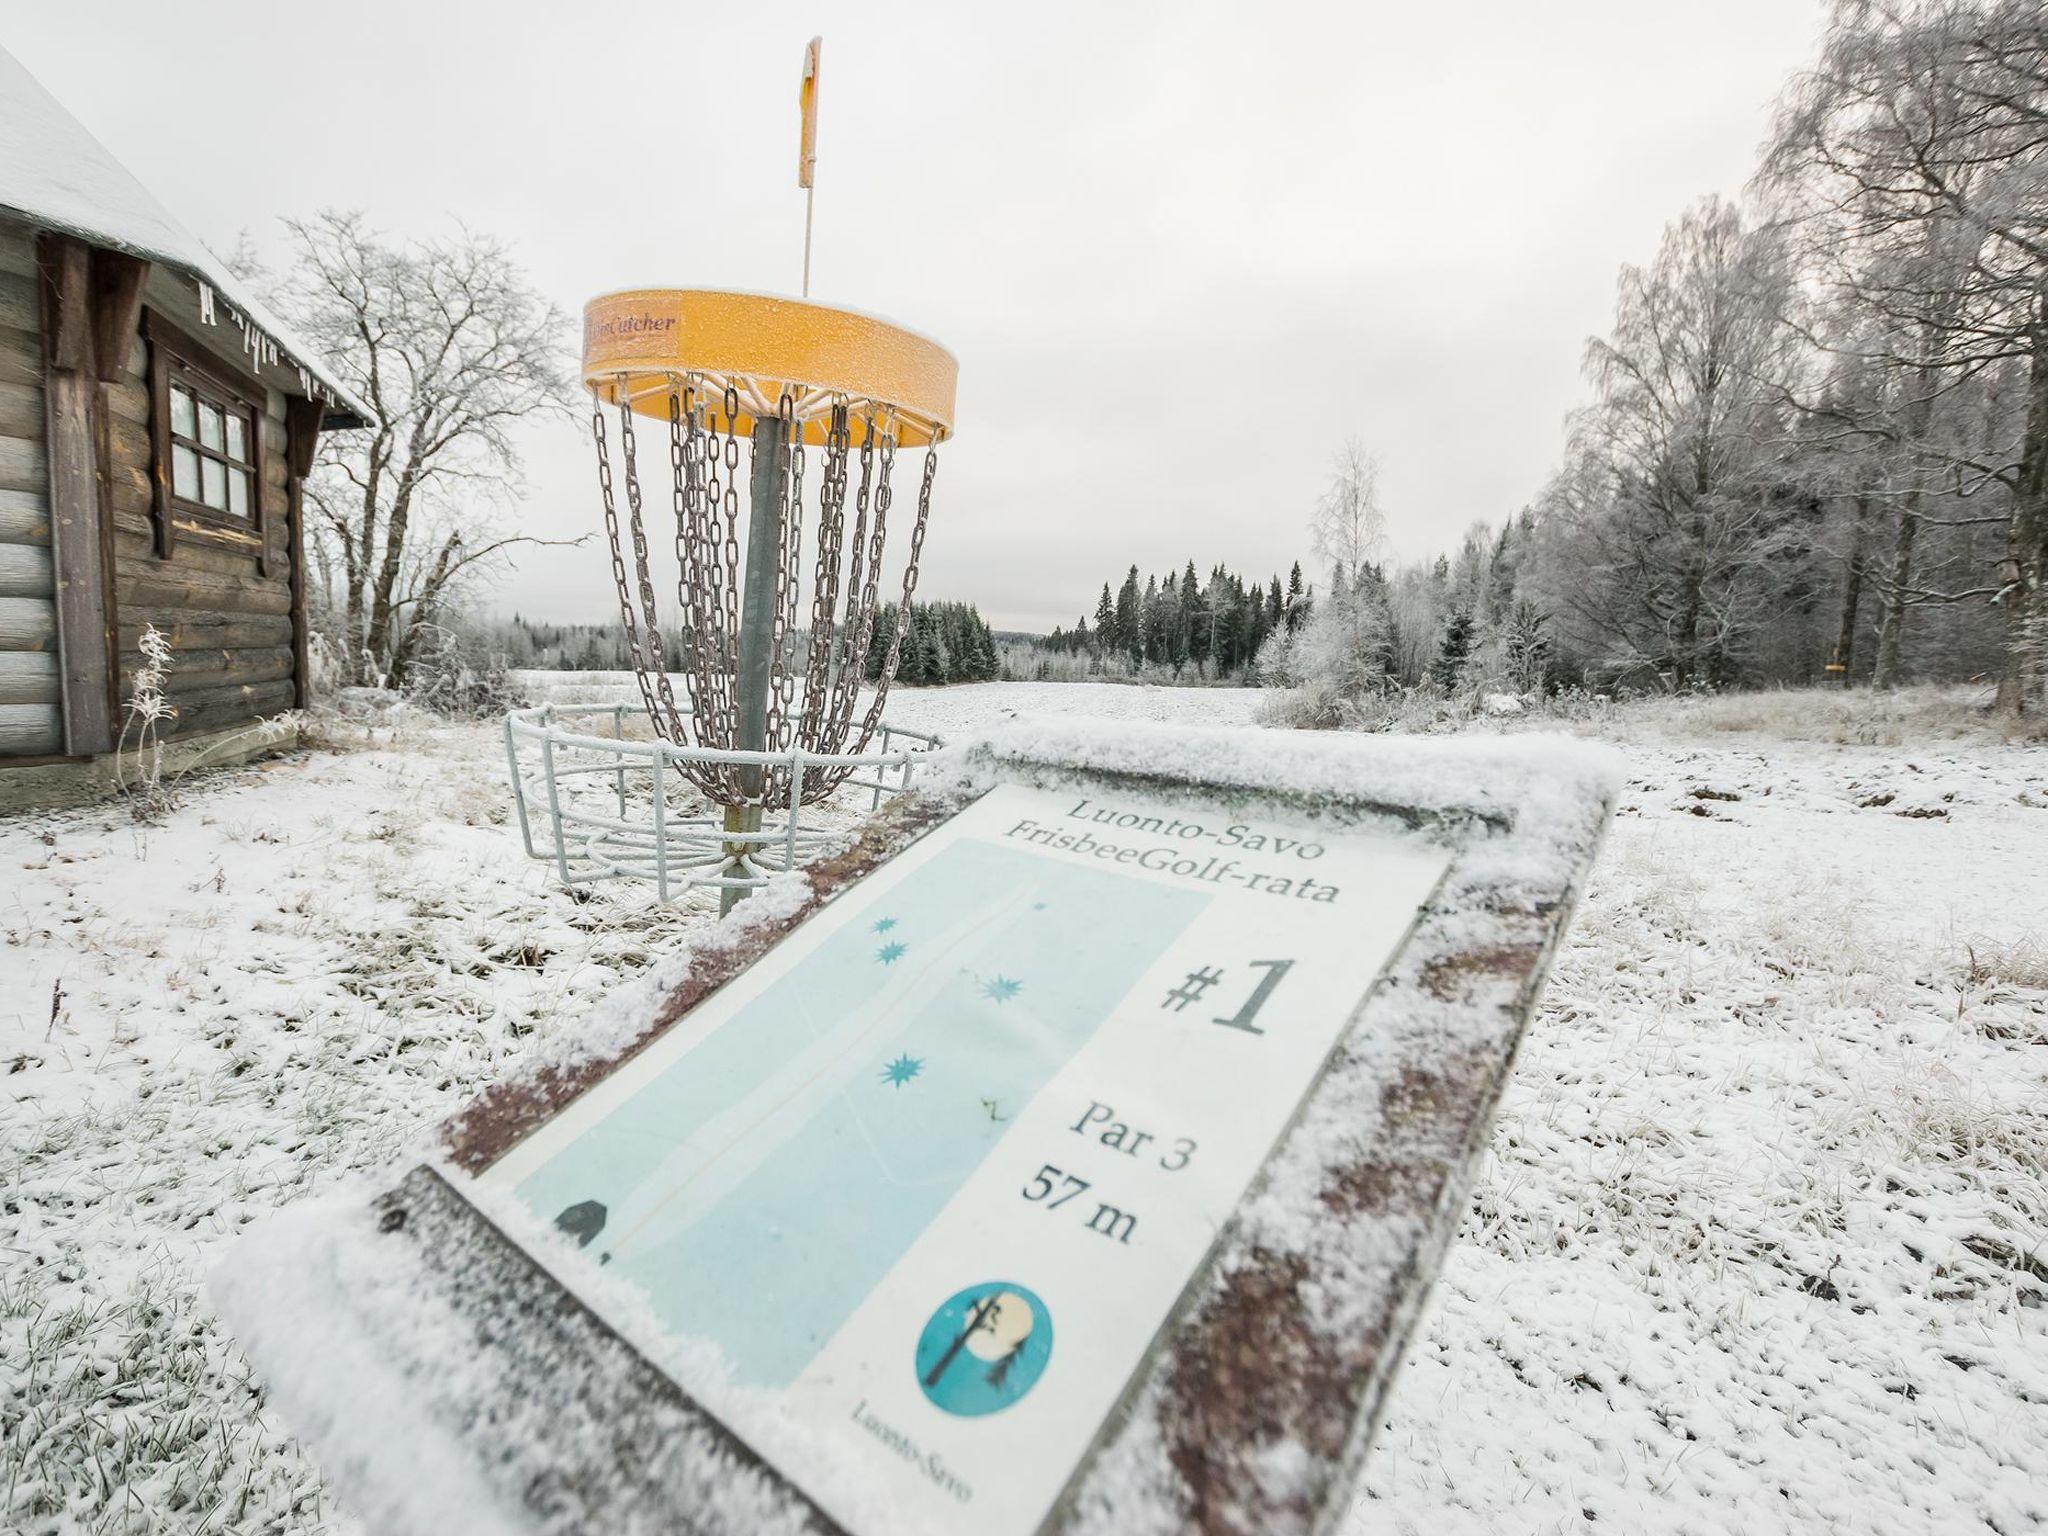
205 428
211 464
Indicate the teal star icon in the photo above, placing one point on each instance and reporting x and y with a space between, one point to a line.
883 925
902 1070
1000 989
889 954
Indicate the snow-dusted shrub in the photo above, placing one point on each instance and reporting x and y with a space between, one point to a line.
445 678
1275 665
325 672
1846 716
1024 663
1337 664
1576 704
1314 706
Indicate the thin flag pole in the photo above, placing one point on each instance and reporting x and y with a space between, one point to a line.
807 148
810 198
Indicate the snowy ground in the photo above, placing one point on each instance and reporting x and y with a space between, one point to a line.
1763 1244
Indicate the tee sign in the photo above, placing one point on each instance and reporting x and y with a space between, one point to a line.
934 1169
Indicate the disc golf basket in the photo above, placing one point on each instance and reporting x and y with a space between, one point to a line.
763 717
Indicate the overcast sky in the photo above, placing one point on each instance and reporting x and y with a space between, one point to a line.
1180 250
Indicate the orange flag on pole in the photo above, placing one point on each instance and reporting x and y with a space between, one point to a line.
807 97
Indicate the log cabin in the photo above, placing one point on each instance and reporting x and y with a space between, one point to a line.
156 426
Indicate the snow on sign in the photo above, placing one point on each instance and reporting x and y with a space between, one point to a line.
1057 1128
934 1169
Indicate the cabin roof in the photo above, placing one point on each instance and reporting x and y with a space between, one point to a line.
56 174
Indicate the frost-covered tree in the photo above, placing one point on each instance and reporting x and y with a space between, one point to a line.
1670 504
1341 648
1524 648
1914 156
1349 527
455 352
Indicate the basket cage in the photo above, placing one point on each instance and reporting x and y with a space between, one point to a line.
599 804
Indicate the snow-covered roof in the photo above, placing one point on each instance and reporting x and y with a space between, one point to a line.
56 174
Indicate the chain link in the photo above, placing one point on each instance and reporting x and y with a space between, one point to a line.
652 656
826 638
860 603
611 528
689 580
910 574
789 527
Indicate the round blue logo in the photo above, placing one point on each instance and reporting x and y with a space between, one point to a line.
984 1349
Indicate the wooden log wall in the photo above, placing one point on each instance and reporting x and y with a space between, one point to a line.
31 716
222 600
223 597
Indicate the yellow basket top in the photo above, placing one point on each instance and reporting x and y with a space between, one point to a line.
645 341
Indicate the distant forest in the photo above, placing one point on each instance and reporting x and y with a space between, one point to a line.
946 643
1174 627
1458 622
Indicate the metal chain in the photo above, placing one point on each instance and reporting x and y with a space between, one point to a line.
707 525
651 656
860 603
825 639
611 528
713 530
910 574
846 698
687 584
685 454
789 543
730 662
871 721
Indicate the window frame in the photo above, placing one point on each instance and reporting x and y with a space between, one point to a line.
177 359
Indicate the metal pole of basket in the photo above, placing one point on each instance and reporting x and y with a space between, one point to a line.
758 602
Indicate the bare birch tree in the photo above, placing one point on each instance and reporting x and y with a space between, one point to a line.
1349 526
455 353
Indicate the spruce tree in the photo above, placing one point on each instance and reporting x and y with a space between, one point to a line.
1129 635
989 664
1455 649
1500 579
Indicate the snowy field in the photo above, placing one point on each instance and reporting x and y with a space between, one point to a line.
1762 1245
